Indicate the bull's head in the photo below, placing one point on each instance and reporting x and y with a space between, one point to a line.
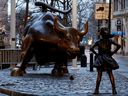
69 38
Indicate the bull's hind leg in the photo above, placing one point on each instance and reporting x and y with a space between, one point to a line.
26 55
60 68
57 70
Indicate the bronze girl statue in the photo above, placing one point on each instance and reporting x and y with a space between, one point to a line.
104 60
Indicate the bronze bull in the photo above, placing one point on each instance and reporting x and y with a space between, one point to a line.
49 41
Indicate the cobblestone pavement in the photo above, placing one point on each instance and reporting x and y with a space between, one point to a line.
123 63
40 82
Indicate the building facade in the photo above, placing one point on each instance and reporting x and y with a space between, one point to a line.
120 23
3 12
4 38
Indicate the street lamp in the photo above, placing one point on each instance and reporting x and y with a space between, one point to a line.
74 24
12 24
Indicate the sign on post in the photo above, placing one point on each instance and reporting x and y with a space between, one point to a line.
102 11
119 25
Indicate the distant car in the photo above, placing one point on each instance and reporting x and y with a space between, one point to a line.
18 46
18 41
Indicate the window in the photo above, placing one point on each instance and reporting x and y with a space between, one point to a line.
115 5
122 2
104 0
126 4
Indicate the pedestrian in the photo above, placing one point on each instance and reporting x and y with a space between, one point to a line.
104 62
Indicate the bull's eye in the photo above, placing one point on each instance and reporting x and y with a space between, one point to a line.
77 38
69 36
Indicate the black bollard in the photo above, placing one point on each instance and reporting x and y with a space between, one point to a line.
91 62
83 60
34 67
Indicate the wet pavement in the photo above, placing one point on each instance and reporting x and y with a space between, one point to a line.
123 64
42 83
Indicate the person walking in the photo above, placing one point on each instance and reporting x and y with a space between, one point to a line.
104 60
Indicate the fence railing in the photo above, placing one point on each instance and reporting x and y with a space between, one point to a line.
10 56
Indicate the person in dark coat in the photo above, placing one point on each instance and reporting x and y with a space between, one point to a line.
104 60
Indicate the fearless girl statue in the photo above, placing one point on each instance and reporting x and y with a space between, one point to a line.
104 60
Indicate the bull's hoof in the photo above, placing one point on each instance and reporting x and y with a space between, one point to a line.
57 73
17 72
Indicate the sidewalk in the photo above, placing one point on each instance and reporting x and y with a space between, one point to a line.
123 64
41 83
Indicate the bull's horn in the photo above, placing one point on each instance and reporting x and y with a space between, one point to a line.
57 26
52 8
81 34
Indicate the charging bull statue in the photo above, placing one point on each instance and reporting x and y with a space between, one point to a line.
49 41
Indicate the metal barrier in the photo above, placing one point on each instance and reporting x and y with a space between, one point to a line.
10 56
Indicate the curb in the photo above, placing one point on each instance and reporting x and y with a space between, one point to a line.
14 93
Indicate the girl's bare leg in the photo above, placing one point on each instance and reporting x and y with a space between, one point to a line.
111 76
99 76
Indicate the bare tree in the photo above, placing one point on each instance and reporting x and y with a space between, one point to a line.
85 12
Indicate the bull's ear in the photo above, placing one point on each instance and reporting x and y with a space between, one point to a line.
58 27
81 34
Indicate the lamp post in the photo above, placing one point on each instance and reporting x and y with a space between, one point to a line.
109 17
13 27
74 24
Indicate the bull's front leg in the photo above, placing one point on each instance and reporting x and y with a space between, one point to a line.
26 55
